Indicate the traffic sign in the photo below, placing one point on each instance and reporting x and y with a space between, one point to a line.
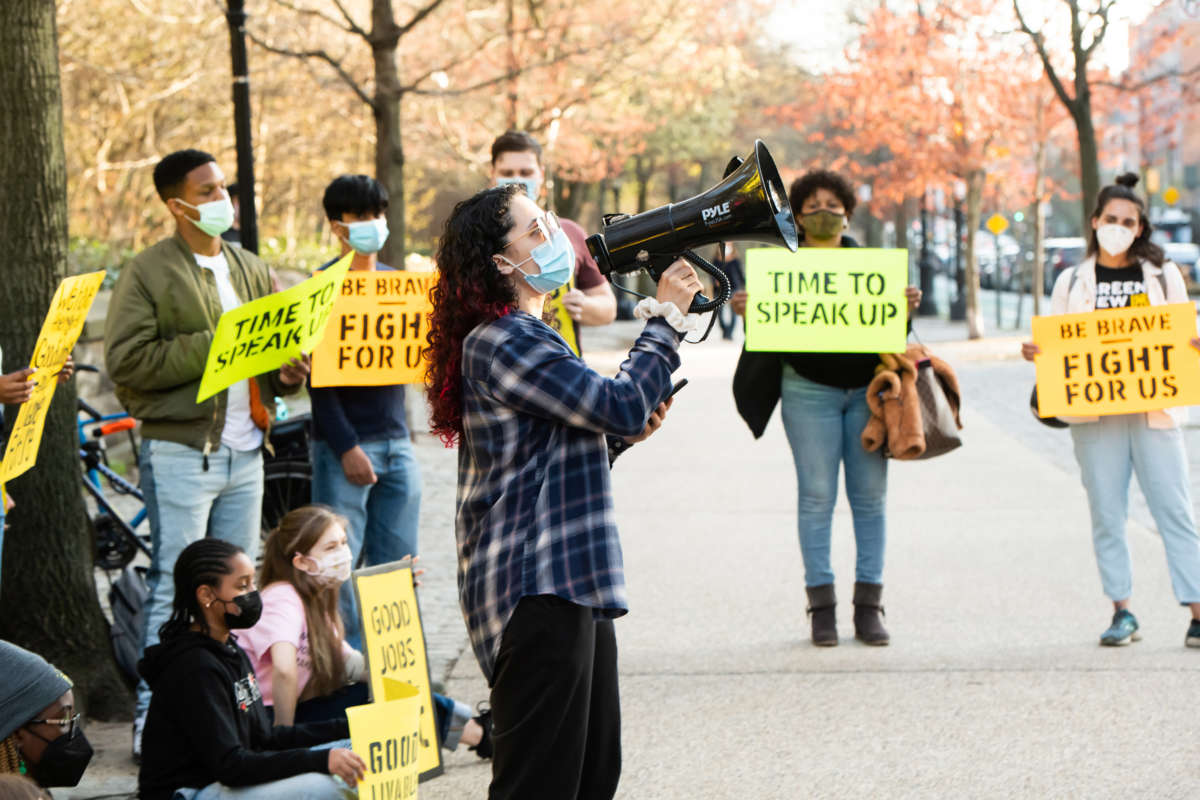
997 224
1171 196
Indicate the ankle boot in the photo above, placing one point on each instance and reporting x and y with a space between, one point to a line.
868 614
822 612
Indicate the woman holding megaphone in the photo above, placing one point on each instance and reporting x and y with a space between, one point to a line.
823 400
540 571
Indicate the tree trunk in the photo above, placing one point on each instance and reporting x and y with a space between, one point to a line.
643 170
975 180
1089 159
48 598
1037 283
389 144
901 222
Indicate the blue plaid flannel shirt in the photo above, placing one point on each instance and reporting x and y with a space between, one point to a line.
535 511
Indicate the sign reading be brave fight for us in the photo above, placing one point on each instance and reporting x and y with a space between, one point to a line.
1118 361
377 332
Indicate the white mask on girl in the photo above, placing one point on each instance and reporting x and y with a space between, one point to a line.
333 568
1115 239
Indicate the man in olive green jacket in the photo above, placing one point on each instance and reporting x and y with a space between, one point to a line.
201 463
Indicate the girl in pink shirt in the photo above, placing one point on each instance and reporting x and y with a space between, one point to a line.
305 668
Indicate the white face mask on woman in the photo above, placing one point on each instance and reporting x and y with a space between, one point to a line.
1115 239
333 567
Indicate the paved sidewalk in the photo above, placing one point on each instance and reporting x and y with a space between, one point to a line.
994 685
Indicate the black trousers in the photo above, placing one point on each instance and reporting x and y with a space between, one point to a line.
556 711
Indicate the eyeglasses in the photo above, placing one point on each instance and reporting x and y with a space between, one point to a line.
71 723
547 226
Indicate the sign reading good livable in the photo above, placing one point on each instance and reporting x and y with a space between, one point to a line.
826 300
1117 361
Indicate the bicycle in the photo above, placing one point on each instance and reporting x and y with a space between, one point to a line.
117 540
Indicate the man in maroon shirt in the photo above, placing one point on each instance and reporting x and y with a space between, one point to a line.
517 158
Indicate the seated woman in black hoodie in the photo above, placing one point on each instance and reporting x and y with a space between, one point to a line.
207 735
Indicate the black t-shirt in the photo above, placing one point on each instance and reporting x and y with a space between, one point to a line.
1120 287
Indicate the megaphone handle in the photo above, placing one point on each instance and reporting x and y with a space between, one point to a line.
700 303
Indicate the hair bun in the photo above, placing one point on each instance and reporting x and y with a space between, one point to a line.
1129 179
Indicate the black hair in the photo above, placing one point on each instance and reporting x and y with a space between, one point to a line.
232 188
202 563
354 194
1142 248
807 184
516 142
172 171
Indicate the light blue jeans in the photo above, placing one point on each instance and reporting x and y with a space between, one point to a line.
185 503
314 785
824 426
383 517
1109 452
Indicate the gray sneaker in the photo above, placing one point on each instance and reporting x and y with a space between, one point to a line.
1193 634
1124 629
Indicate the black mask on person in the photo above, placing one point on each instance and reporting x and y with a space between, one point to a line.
63 760
250 606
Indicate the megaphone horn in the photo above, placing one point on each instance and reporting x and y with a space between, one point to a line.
749 204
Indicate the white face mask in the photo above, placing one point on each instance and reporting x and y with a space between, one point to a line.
1115 239
333 568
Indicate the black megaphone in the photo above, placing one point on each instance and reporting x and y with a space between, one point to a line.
749 204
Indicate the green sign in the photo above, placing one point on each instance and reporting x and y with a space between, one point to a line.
826 300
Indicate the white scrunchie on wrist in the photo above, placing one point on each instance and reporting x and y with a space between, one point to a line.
649 307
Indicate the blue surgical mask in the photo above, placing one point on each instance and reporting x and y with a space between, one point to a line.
555 259
530 184
367 237
216 217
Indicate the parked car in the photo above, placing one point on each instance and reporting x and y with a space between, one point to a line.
1061 253
1186 256
996 273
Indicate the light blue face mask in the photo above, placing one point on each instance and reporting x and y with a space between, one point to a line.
530 184
555 259
368 236
216 217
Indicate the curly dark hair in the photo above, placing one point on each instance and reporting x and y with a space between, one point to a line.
1142 248
469 291
807 184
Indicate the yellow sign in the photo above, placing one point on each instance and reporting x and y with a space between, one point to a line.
1171 196
1118 361
386 735
394 645
379 327
266 333
557 316
60 330
997 224
826 300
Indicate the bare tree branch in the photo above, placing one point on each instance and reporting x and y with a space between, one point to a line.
313 12
416 18
1137 86
354 26
319 55
1040 43
1102 11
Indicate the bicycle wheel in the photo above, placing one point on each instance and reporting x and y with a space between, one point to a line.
286 485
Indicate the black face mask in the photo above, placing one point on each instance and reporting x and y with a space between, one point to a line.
63 760
250 604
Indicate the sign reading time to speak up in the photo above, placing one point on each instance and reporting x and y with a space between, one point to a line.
826 300
394 646
1118 361
377 332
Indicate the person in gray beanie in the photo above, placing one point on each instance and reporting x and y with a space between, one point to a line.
40 735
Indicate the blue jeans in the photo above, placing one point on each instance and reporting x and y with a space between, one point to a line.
824 426
1109 452
383 517
314 785
184 503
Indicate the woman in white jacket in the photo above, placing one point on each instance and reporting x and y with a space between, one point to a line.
1124 268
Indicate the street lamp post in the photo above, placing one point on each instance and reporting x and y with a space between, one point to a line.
236 15
928 306
958 308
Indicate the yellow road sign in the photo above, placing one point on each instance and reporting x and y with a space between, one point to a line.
997 224
1171 196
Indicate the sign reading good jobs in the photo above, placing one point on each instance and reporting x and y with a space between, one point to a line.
1117 361
266 333
386 735
394 646
826 300
379 328
60 330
